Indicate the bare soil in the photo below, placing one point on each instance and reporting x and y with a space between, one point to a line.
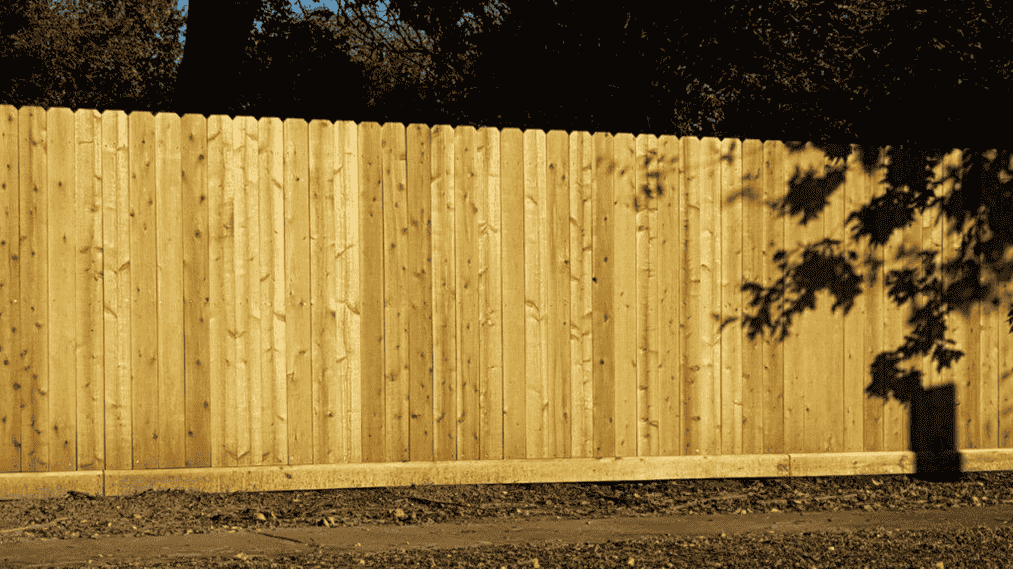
875 542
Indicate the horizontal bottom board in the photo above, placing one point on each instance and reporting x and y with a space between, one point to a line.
30 485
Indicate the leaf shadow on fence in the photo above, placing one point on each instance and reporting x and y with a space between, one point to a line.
979 200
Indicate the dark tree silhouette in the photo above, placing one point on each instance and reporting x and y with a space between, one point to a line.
102 54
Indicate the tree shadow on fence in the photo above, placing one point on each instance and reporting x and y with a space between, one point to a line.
977 273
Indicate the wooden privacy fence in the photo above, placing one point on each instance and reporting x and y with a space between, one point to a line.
216 294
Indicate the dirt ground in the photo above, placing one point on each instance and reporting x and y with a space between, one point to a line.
93 520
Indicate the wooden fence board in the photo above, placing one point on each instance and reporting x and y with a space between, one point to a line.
420 290
774 176
625 294
90 380
711 317
671 238
466 251
270 180
894 413
654 316
116 290
395 233
239 306
535 250
602 297
513 240
856 367
298 339
234 420
875 327
144 300
327 445
751 195
62 292
932 237
823 425
169 277
646 298
219 224
1005 386
799 427
11 391
989 378
812 382
444 292
196 291
557 323
730 307
693 297
348 289
834 229
1004 382
582 220
371 271
247 266
490 295
250 291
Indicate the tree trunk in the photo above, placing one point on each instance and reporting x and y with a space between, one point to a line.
216 33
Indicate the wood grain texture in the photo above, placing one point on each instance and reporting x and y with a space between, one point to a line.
196 291
512 192
62 293
420 291
298 317
11 392
248 293
371 271
169 281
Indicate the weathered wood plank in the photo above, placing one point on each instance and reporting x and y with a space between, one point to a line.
444 294
270 180
371 279
581 224
466 251
250 289
327 441
347 291
513 259
144 299
116 289
753 246
602 296
535 280
219 226
774 409
11 391
298 331
196 291
856 367
420 291
672 238
730 308
169 244
557 264
646 208
62 292
625 295
875 330
487 165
